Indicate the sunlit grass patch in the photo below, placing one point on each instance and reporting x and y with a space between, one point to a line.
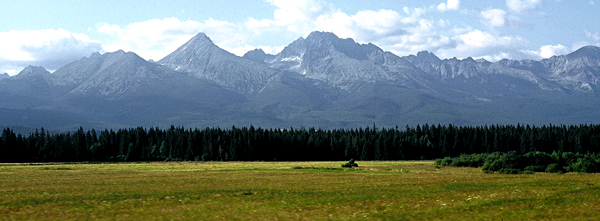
289 190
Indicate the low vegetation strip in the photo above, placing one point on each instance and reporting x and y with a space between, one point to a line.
530 162
376 190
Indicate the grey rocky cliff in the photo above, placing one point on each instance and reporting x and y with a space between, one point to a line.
201 58
321 80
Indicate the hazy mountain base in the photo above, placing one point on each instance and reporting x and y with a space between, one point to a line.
385 105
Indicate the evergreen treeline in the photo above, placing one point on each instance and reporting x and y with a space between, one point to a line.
256 144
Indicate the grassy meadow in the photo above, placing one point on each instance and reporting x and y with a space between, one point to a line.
386 190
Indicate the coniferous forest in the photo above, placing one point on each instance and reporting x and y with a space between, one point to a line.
256 144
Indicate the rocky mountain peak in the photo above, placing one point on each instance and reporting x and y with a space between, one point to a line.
199 41
203 59
592 52
199 48
258 55
95 55
132 55
320 79
322 36
5 75
33 71
426 55
303 53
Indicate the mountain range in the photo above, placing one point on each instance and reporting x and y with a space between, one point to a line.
319 81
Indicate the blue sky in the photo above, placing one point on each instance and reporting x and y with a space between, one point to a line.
54 33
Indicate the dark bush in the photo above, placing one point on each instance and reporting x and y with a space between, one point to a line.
447 161
473 160
511 162
535 168
509 171
350 164
497 161
491 166
537 161
586 164
554 168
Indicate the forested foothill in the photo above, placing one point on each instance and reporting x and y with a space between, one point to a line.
560 145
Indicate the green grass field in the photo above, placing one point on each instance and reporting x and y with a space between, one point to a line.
290 191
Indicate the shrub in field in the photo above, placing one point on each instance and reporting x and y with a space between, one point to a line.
444 162
554 168
586 164
350 164
511 162
537 161
491 166
509 171
473 160
535 168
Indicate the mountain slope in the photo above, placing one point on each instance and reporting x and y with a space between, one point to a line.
318 81
325 57
29 88
580 69
203 59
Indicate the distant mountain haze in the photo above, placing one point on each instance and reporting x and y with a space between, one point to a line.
318 81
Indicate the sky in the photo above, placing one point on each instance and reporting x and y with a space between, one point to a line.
54 33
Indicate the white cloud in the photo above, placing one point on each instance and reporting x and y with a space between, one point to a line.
401 32
547 51
154 39
449 5
594 36
494 17
48 48
519 6
364 26
485 41
480 44
297 17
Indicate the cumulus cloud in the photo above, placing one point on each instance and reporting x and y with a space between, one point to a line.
547 51
494 17
366 26
449 5
401 32
48 48
154 39
519 6
481 44
297 17
594 36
